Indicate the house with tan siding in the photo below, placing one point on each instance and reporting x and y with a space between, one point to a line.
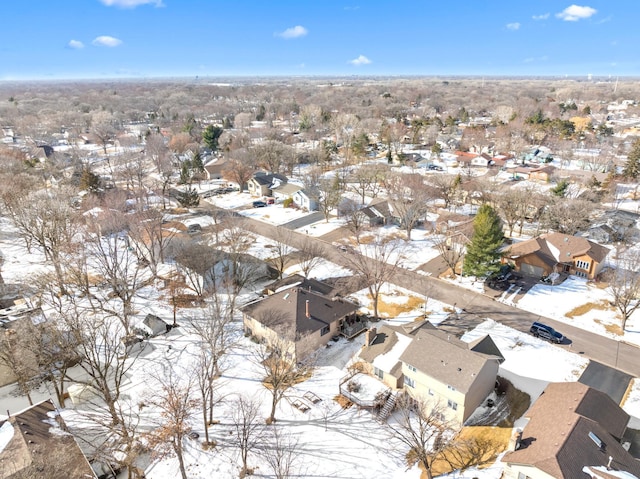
557 253
430 364
303 319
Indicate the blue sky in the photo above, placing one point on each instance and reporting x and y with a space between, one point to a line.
60 39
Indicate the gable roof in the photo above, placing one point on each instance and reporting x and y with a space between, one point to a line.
285 312
266 179
287 189
309 284
558 248
445 358
573 426
377 209
36 437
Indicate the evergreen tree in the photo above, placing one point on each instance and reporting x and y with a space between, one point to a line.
196 163
483 252
211 135
185 173
560 189
632 166
188 198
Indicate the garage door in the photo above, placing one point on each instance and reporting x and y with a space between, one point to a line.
531 270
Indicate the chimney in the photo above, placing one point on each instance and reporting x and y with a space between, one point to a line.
518 439
307 309
370 336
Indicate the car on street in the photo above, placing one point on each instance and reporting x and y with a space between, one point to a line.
540 330
259 204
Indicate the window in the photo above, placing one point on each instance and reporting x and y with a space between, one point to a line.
450 388
378 372
581 274
522 475
324 331
453 405
411 368
409 382
582 265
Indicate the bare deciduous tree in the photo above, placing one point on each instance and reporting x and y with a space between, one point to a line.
624 284
422 427
377 266
410 197
282 453
281 371
176 404
356 221
280 250
148 237
451 248
309 254
248 429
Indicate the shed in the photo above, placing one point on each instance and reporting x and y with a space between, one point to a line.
156 325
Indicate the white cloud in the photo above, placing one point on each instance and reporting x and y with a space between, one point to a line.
75 44
544 16
131 3
106 41
513 26
361 60
293 32
573 13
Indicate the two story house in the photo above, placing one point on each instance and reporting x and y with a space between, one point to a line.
557 253
430 364
262 184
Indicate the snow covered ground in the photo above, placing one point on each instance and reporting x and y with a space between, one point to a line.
332 441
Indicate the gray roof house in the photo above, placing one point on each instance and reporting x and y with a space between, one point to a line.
573 432
303 319
261 184
431 364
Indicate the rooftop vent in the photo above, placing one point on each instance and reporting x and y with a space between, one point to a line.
597 440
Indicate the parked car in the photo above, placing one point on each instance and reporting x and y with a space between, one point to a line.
194 228
540 330
259 204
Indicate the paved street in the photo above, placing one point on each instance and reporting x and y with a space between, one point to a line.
478 307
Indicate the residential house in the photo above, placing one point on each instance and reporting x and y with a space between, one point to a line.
614 225
557 253
261 184
302 319
37 440
303 199
377 213
284 191
542 173
430 364
309 284
214 168
573 432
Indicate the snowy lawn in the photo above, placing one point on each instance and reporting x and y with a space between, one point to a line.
274 214
322 270
397 305
322 227
582 304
